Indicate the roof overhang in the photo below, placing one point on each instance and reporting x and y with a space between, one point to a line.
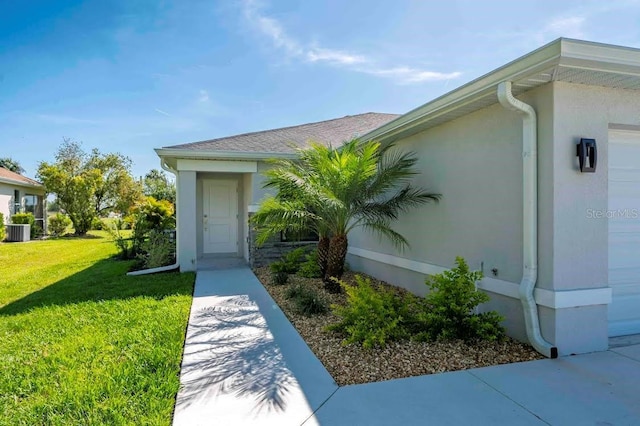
22 184
567 60
172 155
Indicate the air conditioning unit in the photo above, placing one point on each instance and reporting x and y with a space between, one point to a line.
18 233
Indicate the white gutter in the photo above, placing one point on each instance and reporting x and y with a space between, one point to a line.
177 264
529 217
221 155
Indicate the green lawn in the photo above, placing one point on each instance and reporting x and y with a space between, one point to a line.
82 343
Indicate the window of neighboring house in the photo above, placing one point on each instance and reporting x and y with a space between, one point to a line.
308 235
30 202
17 205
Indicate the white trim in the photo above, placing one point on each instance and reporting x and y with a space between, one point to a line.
217 166
224 155
563 52
544 297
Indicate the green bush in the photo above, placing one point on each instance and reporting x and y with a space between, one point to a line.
23 219
156 251
58 224
293 259
279 275
306 301
310 268
153 215
124 244
35 230
97 224
450 308
3 231
371 316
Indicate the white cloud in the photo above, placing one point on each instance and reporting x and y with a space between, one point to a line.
572 26
203 96
273 29
412 75
158 110
334 56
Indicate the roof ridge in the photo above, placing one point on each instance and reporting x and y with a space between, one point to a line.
281 128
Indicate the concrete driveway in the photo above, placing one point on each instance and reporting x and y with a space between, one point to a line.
245 364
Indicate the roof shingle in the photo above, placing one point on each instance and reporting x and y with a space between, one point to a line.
285 140
8 175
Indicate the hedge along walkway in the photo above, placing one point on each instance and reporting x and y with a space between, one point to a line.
244 363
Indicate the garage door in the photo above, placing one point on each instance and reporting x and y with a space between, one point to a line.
624 232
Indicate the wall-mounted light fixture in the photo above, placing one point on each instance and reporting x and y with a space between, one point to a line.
587 153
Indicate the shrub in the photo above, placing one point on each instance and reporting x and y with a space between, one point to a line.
58 224
371 316
123 244
3 231
306 301
27 219
97 224
151 214
450 308
293 259
156 251
310 268
279 275
23 219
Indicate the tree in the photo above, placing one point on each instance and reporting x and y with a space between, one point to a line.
116 190
334 191
88 185
11 164
156 184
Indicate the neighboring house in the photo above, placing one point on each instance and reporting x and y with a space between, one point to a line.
515 202
19 194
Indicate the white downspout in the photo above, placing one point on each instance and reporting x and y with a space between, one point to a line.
177 264
529 217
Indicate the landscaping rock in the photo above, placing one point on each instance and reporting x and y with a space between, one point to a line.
352 364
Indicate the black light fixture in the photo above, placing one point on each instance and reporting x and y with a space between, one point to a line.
587 153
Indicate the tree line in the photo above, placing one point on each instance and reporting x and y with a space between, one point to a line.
89 185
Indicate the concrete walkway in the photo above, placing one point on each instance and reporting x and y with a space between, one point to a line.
245 364
243 361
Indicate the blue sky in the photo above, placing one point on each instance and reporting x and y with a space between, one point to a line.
130 76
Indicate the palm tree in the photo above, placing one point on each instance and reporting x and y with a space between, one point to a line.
11 164
333 191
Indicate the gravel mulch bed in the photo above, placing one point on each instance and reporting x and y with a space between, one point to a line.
352 364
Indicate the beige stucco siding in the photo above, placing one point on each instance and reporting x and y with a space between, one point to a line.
257 183
584 111
475 162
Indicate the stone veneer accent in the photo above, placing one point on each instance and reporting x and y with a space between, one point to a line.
272 250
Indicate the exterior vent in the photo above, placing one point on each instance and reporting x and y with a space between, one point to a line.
18 233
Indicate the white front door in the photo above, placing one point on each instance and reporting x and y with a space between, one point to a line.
624 232
220 216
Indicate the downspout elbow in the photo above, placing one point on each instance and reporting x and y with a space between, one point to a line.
529 218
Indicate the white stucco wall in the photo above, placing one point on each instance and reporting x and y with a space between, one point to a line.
187 220
6 199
